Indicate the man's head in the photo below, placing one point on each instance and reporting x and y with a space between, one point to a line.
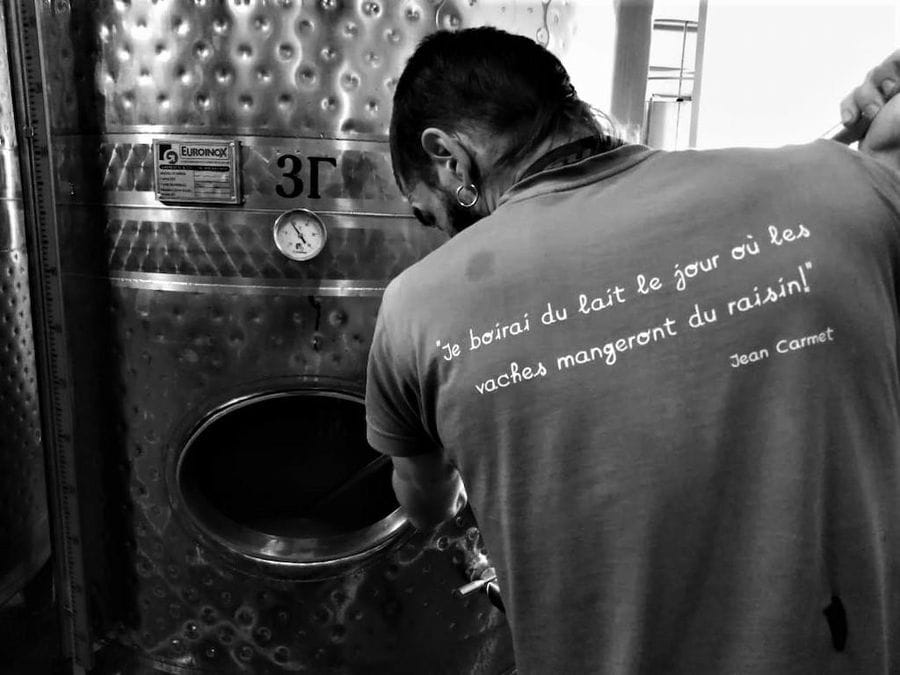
469 106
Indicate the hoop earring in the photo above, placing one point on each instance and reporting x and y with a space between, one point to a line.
467 205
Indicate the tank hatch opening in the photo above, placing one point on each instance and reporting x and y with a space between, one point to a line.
289 478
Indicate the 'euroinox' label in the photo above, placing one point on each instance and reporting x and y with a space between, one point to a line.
197 172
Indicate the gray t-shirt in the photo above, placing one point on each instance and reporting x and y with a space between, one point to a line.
670 383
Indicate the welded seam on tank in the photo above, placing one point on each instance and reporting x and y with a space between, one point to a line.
230 211
246 136
188 284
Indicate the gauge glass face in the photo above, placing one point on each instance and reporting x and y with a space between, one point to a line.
299 234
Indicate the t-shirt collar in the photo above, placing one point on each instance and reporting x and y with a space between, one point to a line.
559 174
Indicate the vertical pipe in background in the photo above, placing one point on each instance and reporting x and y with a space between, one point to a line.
28 90
634 22
24 528
698 72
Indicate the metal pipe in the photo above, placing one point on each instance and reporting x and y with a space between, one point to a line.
845 135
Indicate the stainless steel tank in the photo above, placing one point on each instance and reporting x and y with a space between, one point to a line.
230 517
24 529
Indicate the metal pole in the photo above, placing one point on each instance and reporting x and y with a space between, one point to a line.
30 92
634 26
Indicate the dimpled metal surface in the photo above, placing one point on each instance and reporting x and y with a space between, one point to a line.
323 68
24 533
177 309
181 356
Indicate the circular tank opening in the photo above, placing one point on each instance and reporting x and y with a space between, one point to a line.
290 478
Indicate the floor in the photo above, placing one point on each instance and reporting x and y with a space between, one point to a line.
29 631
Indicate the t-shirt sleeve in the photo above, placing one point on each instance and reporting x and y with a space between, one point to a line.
884 179
394 424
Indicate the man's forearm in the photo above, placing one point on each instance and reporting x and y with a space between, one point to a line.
429 494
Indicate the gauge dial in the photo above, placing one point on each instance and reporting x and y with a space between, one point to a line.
299 234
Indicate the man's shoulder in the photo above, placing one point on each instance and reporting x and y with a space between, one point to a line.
827 168
430 281
416 290
808 155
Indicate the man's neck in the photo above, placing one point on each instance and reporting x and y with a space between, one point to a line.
499 181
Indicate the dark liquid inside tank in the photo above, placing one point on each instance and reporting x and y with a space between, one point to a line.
292 466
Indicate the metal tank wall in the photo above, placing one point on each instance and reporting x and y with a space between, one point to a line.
180 313
24 528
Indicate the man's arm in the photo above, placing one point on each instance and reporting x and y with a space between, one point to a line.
428 488
427 485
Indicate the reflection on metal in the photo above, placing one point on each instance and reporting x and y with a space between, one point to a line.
288 479
176 310
24 528
322 69
178 283
52 349
238 244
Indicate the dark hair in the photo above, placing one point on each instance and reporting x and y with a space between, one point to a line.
481 79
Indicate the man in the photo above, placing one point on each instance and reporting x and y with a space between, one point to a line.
668 381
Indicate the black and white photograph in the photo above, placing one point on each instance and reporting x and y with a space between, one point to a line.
450 337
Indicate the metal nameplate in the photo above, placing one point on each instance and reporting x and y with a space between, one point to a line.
197 172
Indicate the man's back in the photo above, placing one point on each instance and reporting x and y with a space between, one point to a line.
670 384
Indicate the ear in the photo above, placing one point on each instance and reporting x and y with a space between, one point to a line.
451 158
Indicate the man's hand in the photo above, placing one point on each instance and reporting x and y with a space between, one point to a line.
872 112
428 488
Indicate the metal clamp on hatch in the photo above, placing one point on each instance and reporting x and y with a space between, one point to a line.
486 581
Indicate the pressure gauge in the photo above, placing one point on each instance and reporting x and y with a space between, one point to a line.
299 234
